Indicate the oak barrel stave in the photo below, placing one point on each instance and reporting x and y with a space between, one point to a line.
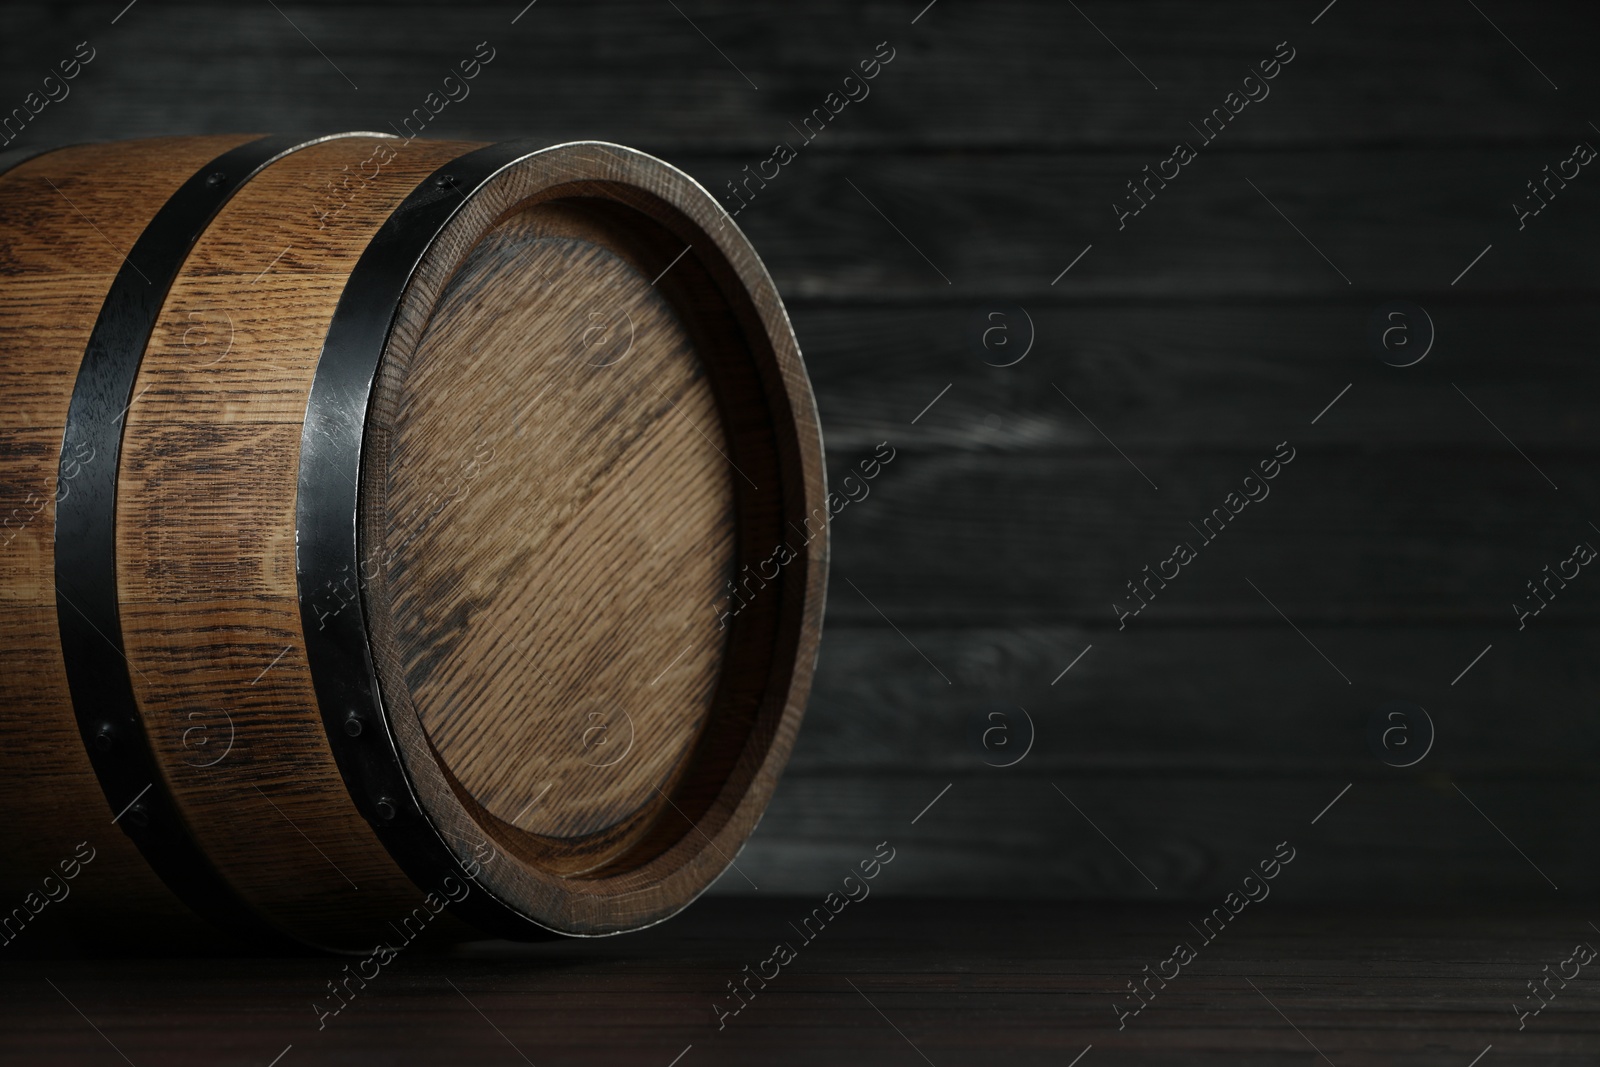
246 441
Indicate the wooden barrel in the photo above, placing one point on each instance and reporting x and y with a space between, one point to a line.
398 535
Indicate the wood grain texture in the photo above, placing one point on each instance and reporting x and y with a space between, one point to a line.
1190 835
997 76
68 218
1523 709
1394 222
562 527
964 981
650 866
212 608
1167 377
1375 538
206 545
1187 777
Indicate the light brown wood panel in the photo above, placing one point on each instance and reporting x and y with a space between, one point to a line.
206 542
561 501
68 217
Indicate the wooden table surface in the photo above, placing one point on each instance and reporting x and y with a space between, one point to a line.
890 981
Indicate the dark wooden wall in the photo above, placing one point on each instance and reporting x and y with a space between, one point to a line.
989 553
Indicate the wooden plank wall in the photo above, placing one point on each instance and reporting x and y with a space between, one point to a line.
1215 324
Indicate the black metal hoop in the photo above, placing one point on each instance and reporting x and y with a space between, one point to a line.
327 517
98 671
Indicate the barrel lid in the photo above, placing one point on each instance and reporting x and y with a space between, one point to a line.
558 526
591 540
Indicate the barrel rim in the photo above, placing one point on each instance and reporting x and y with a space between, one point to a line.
334 444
